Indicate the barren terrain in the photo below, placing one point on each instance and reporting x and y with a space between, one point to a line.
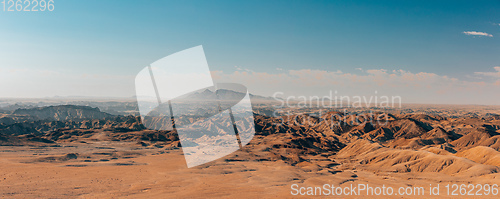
73 155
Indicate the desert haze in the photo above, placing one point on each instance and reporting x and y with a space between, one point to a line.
69 151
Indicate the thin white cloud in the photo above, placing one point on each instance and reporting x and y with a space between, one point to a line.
242 69
417 87
490 74
475 33
414 87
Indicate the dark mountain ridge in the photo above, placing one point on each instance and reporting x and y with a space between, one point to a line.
63 112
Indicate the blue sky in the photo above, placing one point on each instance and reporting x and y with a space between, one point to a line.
118 38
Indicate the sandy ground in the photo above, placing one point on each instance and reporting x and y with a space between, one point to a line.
124 170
